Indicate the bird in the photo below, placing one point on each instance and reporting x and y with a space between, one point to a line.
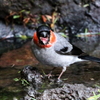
50 48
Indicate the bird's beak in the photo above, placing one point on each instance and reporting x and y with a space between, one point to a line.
44 40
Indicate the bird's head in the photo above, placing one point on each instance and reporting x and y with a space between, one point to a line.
44 36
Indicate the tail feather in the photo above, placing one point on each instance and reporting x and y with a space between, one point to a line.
87 57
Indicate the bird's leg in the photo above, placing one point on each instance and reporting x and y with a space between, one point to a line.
49 75
63 70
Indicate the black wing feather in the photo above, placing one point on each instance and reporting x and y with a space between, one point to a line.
64 47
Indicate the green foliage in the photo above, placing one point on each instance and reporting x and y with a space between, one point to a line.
95 97
43 72
24 37
33 99
16 16
23 81
86 5
86 30
62 34
24 11
16 79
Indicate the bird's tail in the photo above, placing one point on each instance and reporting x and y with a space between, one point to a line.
87 57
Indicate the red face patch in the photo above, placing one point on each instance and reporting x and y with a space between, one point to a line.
52 40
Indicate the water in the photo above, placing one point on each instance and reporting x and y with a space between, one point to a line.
9 89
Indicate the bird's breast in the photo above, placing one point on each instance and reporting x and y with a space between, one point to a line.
49 57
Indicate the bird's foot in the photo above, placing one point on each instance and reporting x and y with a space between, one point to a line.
49 75
58 82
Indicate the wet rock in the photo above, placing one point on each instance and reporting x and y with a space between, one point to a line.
32 75
94 11
36 7
68 92
88 44
97 3
31 93
9 31
78 20
34 78
82 1
96 52
13 37
53 91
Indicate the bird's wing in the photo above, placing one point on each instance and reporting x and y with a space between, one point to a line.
63 47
